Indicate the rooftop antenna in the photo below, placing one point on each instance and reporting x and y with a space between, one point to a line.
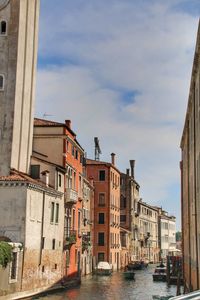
97 151
46 115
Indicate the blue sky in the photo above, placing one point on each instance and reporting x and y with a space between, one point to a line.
120 70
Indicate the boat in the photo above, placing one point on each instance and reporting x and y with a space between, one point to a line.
192 295
129 274
103 268
160 273
137 265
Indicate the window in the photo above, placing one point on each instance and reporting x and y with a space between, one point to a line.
79 223
35 171
57 212
101 256
3 28
73 150
76 154
101 238
73 219
80 186
1 82
59 180
101 199
52 211
102 175
74 179
53 244
67 145
81 158
101 218
122 218
14 266
123 202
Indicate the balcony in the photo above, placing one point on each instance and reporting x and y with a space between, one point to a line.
70 236
86 242
71 196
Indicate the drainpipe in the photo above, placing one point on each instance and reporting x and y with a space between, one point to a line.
23 257
183 264
22 272
188 203
195 191
42 230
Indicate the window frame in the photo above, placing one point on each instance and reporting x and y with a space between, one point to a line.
3 82
54 244
52 212
99 202
57 213
102 243
101 221
2 33
59 180
100 172
122 218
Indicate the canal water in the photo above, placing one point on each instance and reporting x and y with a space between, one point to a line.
115 287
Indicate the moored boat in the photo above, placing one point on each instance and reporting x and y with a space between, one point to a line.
137 265
103 268
160 274
129 274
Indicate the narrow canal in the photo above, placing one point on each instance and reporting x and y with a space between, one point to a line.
115 287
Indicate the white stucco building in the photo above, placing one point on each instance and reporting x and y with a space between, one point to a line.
148 228
32 213
167 234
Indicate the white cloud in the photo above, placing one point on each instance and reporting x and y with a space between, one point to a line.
121 46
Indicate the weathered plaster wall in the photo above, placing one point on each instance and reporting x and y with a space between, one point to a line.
18 51
12 212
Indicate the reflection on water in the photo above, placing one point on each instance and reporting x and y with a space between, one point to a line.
115 287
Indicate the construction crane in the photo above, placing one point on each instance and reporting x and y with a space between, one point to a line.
97 151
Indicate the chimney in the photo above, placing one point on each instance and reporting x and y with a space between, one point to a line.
45 177
68 123
127 172
132 164
113 159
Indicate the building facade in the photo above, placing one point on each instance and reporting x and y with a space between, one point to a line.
87 227
129 216
166 234
125 239
190 183
32 215
148 228
106 179
18 44
58 144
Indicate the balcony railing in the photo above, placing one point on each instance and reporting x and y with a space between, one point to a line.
70 236
86 241
71 196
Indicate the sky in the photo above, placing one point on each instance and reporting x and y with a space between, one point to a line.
120 70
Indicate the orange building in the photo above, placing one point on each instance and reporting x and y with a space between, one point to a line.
106 178
58 144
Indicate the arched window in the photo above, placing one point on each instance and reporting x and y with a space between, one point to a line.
3 28
1 82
